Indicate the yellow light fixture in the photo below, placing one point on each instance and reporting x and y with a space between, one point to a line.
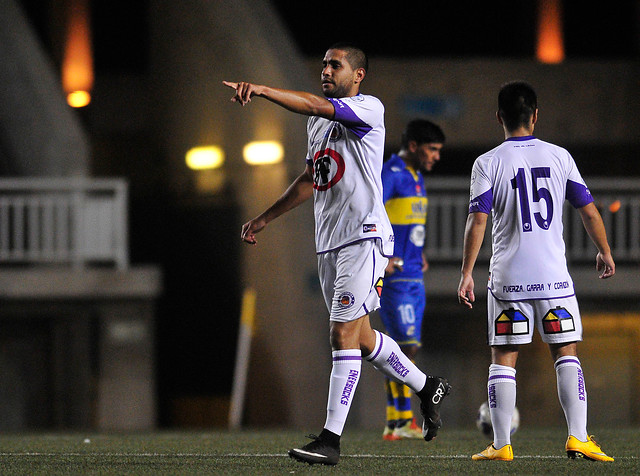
263 152
78 98
205 157
77 61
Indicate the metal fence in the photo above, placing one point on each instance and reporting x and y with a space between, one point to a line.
81 220
73 221
617 199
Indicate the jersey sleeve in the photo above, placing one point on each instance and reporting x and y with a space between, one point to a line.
577 192
481 191
360 114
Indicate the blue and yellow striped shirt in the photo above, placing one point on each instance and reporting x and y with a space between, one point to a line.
405 199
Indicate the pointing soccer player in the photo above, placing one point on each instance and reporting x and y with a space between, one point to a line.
353 236
523 183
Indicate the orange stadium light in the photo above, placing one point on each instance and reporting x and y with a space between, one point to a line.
77 62
550 42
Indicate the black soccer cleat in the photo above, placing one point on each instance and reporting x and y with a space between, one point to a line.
318 451
431 396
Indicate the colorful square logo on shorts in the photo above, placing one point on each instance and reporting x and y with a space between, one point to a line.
511 322
378 286
558 320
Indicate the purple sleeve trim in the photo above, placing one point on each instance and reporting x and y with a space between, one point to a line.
345 115
578 194
482 203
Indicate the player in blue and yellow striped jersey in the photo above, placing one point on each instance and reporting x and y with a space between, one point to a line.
403 295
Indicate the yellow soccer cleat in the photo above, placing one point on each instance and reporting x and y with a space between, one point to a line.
585 449
388 434
491 453
408 431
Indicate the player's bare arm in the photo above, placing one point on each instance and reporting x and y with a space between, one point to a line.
592 221
298 192
473 237
299 102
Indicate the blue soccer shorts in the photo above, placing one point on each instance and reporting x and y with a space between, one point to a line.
402 307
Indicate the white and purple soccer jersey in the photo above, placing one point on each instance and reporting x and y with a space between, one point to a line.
346 154
523 183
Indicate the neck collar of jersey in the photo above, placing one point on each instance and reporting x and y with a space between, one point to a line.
521 138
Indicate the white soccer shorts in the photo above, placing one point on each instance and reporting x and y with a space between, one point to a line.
511 322
351 279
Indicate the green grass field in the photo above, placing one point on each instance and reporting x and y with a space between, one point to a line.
537 451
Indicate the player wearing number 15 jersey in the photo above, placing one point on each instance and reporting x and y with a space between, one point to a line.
523 183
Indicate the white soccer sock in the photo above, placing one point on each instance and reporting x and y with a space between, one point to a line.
572 393
345 374
501 388
394 364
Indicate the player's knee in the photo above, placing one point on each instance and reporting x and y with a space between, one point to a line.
342 337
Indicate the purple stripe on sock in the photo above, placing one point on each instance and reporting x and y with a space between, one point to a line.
502 376
346 357
567 361
378 349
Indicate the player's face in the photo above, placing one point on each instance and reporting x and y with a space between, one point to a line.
338 77
427 155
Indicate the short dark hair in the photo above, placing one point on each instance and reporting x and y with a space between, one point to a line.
356 56
517 103
423 132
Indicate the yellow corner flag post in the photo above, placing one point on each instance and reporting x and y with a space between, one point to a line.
243 351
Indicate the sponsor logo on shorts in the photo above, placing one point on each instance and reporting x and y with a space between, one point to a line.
368 228
346 300
511 322
558 320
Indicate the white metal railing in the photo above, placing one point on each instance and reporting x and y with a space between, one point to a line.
618 200
64 221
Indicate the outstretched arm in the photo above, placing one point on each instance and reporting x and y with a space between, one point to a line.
298 192
473 237
296 101
592 222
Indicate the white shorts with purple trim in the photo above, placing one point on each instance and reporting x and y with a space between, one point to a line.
351 279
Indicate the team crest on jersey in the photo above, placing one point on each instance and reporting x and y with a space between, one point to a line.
335 133
328 169
378 286
558 320
511 322
346 300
